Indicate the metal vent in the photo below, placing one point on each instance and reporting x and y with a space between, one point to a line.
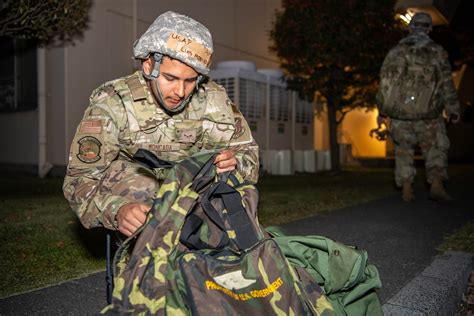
304 111
229 85
251 98
279 107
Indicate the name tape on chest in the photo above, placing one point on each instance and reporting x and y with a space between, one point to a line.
164 147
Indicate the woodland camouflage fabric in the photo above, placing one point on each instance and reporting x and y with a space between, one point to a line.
123 117
431 137
416 81
162 276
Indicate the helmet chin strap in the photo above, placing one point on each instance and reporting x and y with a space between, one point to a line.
153 76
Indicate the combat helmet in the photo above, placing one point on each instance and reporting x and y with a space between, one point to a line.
179 37
421 21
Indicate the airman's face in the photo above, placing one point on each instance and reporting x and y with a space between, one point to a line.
176 81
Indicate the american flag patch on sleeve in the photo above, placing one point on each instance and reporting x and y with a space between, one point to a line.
91 127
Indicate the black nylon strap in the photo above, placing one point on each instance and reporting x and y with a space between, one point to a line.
238 218
210 210
149 160
201 180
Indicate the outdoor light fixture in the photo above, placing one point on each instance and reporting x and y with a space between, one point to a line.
405 17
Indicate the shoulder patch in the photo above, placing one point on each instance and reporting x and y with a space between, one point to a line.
89 149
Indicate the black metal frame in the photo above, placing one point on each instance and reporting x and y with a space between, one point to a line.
109 275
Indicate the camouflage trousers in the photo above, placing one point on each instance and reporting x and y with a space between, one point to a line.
431 137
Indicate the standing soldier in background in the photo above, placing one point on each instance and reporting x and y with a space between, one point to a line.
416 86
171 108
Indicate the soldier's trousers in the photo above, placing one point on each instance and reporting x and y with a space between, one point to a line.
431 137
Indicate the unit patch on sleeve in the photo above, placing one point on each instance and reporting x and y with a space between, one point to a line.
89 149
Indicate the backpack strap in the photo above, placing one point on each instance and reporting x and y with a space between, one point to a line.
239 222
245 234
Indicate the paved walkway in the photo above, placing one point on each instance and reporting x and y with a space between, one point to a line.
400 239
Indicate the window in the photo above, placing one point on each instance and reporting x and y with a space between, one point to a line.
18 82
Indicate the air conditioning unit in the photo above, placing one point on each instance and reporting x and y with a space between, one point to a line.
278 119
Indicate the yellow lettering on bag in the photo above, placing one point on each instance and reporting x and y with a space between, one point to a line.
273 287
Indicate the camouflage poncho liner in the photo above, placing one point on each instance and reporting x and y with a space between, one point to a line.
240 272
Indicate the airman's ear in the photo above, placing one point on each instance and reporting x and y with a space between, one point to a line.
147 66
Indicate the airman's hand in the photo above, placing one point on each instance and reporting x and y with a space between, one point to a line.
225 161
131 216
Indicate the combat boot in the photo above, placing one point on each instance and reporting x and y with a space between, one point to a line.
437 191
407 191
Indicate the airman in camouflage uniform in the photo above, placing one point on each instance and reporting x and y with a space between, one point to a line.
416 86
169 107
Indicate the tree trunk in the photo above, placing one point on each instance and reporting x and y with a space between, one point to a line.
334 146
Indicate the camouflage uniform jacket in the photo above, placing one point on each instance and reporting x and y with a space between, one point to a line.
416 81
123 117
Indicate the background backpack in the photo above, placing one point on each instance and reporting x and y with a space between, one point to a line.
408 83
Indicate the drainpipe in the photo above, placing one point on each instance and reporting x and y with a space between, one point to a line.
293 120
293 130
134 29
43 165
267 126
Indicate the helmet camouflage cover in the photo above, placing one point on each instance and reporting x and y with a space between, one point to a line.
421 21
179 37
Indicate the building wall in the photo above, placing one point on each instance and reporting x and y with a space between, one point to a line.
355 130
56 109
240 28
102 55
19 141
